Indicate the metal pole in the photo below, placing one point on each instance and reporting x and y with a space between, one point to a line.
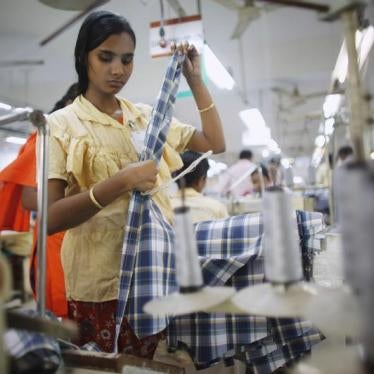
39 121
356 126
21 114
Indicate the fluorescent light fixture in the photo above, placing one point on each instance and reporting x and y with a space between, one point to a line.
331 105
215 167
15 140
258 133
216 71
329 126
265 153
367 41
364 42
273 146
5 106
320 141
285 163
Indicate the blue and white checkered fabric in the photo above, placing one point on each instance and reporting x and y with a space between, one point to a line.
19 343
232 255
148 264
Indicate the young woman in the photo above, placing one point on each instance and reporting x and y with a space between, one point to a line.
94 168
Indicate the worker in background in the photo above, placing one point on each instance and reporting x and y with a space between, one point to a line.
18 198
344 154
261 179
235 172
203 208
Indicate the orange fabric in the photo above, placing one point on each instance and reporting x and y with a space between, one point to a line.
22 172
55 297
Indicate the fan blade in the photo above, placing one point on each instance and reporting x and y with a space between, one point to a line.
12 63
177 7
64 27
246 16
304 4
229 4
68 4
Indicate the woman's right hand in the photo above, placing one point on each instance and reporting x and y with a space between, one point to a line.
141 176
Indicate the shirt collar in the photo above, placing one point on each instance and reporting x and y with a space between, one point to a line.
190 192
85 110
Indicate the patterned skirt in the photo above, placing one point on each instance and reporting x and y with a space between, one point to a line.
96 322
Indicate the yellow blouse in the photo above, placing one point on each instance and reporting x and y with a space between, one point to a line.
86 147
203 208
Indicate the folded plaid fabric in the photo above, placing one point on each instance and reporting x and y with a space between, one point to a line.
232 255
148 264
37 351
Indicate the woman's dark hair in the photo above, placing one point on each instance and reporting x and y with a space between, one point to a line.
200 171
70 95
95 29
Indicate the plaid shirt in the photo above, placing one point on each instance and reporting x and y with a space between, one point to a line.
20 343
232 255
148 264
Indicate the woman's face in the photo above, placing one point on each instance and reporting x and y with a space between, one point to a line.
109 66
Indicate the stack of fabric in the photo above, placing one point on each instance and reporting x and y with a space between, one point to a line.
231 253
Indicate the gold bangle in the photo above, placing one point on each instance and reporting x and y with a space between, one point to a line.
94 201
209 107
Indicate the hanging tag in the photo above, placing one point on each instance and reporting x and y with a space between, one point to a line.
137 138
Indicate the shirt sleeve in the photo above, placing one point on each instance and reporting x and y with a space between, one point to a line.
179 135
58 144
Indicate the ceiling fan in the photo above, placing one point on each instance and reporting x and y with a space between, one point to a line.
248 11
86 6
295 97
16 63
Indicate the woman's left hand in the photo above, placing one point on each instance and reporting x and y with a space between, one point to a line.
191 66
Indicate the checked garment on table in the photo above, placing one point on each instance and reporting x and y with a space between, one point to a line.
148 263
231 254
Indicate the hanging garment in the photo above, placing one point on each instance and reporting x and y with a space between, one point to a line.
18 174
21 172
231 254
148 264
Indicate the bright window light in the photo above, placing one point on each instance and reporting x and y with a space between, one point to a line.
15 140
216 71
258 133
320 141
331 105
364 42
372 155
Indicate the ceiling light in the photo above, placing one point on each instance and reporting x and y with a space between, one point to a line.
320 141
331 105
216 71
15 140
364 42
5 106
265 153
258 133
329 126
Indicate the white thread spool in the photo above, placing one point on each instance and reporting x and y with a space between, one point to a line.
356 199
5 290
189 274
282 252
